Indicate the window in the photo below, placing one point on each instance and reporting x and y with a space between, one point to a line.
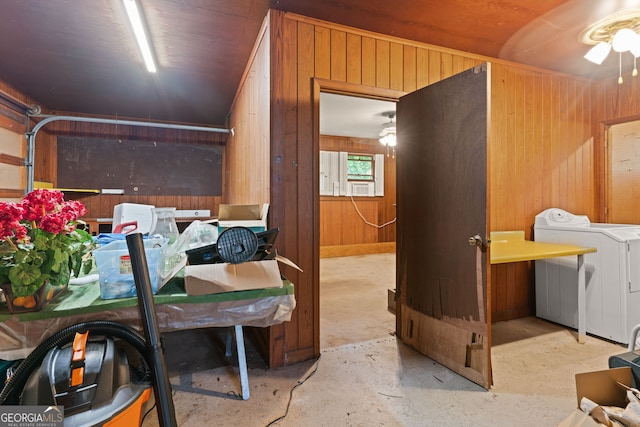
360 167
347 174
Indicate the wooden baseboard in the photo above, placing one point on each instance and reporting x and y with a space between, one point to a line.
359 249
514 313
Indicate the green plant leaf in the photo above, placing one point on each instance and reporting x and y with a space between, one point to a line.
61 278
25 279
4 273
43 255
87 265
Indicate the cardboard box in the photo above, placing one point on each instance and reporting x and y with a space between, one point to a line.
602 388
204 279
579 419
253 217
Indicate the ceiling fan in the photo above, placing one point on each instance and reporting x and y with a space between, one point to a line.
620 32
388 132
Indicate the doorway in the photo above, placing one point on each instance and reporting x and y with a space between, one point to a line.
353 298
355 274
624 173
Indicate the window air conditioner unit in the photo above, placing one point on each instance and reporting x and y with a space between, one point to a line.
362 189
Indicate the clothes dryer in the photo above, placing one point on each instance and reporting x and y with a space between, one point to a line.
612 274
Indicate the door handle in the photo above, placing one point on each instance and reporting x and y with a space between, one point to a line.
475 240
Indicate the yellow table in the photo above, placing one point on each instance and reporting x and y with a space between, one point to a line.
510 246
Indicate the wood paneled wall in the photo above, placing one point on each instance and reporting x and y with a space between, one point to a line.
541 156
13 144
612 103
340 223
101 205
303 51
12 165
247 171
541 149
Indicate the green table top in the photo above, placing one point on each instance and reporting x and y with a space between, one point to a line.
82 299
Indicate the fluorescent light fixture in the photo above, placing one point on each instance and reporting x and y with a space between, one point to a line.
598 53
141 36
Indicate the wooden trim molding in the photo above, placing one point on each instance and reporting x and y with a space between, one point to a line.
344 88
357 249
7 193
8 159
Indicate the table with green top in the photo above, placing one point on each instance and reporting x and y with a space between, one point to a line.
175 310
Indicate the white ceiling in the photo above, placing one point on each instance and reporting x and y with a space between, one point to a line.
342 115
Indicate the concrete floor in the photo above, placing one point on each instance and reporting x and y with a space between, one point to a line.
366 377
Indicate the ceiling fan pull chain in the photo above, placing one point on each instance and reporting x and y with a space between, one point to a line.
620 70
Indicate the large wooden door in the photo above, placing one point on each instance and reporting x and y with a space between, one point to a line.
624 173
443 307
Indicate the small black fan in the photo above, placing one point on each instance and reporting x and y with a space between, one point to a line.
237 244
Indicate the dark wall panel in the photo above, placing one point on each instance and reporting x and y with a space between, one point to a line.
140 167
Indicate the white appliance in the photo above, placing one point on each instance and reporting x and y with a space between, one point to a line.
612 274
142 218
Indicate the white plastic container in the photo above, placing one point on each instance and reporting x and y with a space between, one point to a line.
143 216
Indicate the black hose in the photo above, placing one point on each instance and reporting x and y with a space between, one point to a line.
12 389
155 352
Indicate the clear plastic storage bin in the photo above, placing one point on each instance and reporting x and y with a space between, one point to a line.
115 272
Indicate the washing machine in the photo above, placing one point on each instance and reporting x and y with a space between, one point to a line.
612 274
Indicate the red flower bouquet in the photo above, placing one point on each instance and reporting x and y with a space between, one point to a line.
40 242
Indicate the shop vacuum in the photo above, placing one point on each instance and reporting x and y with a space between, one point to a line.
101 372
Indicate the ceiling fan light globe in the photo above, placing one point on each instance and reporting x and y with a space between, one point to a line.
624 40
389 140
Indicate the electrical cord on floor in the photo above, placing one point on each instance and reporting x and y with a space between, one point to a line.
147 413
173 393
370 223
299 383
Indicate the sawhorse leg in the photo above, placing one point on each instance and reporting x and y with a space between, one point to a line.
242 359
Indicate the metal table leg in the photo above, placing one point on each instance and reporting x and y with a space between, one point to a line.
582 291
242 362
